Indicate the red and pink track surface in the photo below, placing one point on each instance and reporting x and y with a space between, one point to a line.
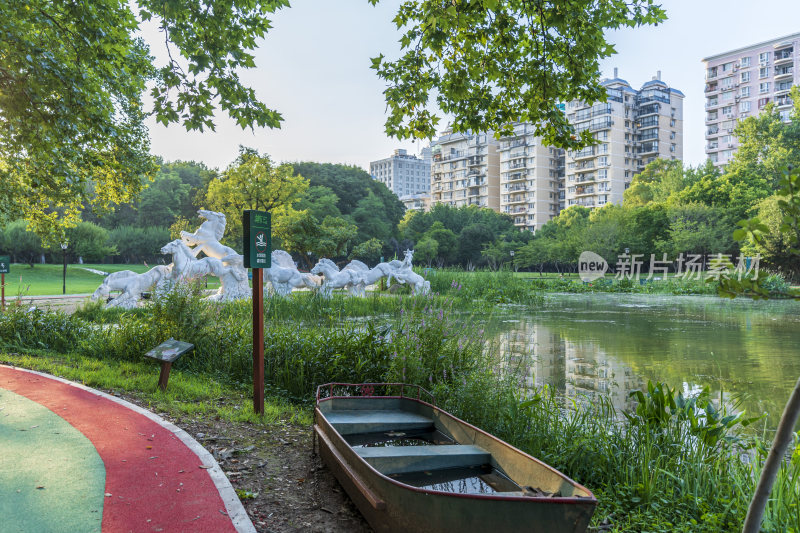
157 478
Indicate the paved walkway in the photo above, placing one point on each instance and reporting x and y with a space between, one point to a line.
75 459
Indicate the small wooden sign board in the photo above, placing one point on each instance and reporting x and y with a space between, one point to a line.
168 352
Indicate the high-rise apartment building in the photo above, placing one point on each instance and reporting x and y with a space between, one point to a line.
465 170
403 174
530 175
632 129
741 83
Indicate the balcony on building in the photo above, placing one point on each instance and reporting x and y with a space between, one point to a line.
474 191
584 167
649 109
783 56
585 178
783 101
782 73
513 188
518 199
712 103
711 132
584 153
648 147
712 87
712 146
584 191
515 176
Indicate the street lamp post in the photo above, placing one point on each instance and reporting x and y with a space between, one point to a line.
64 253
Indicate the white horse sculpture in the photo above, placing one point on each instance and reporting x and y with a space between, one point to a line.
131 284
284 276
335 279
186 267
234 284
206 238
369 276
419 285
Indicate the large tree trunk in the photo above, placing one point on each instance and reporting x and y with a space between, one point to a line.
783 438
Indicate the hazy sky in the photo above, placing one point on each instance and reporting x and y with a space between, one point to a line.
313 67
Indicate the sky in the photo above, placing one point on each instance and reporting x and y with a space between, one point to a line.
313 68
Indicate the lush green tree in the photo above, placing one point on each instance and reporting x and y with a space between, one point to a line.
89 241
491 63
304 233
24 246
426 250
135 244
699 229
447 242
774 246
320 202
535 254
164 200
368 251
368 216
351 185
72 78
658 182
471 242
253 181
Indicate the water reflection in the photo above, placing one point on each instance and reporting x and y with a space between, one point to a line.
612 344
576 369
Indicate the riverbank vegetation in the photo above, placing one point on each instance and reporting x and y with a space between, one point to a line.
671 463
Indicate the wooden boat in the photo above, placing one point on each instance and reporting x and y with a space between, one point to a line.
411 467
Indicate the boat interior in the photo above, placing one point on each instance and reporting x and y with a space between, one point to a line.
419 445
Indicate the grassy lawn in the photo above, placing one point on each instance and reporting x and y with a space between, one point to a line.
186 394
47 279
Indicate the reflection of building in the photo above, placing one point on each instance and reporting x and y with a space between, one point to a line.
740 83
590 371
541 356
402 173
465 170
530 173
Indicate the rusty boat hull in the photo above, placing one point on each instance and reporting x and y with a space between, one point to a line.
411 467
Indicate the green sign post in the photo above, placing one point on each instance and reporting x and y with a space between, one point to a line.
5 268
258 256
257 239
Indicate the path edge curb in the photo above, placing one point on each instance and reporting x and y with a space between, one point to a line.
233 506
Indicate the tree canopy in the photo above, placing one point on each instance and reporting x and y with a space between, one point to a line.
72 77
491 63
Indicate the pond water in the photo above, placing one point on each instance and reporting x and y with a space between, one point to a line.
612 344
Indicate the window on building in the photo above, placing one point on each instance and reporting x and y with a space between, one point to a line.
744 107
745 62
727 96
763 59
763 87
744 92
672 135
745 77
762 102
727 110
763 72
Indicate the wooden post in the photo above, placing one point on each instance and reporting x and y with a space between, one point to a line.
163 378
258 341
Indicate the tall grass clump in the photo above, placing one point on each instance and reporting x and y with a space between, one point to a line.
485 287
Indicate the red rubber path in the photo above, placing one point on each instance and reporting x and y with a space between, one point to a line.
155 481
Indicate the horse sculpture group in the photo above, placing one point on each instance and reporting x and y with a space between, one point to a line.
224 263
